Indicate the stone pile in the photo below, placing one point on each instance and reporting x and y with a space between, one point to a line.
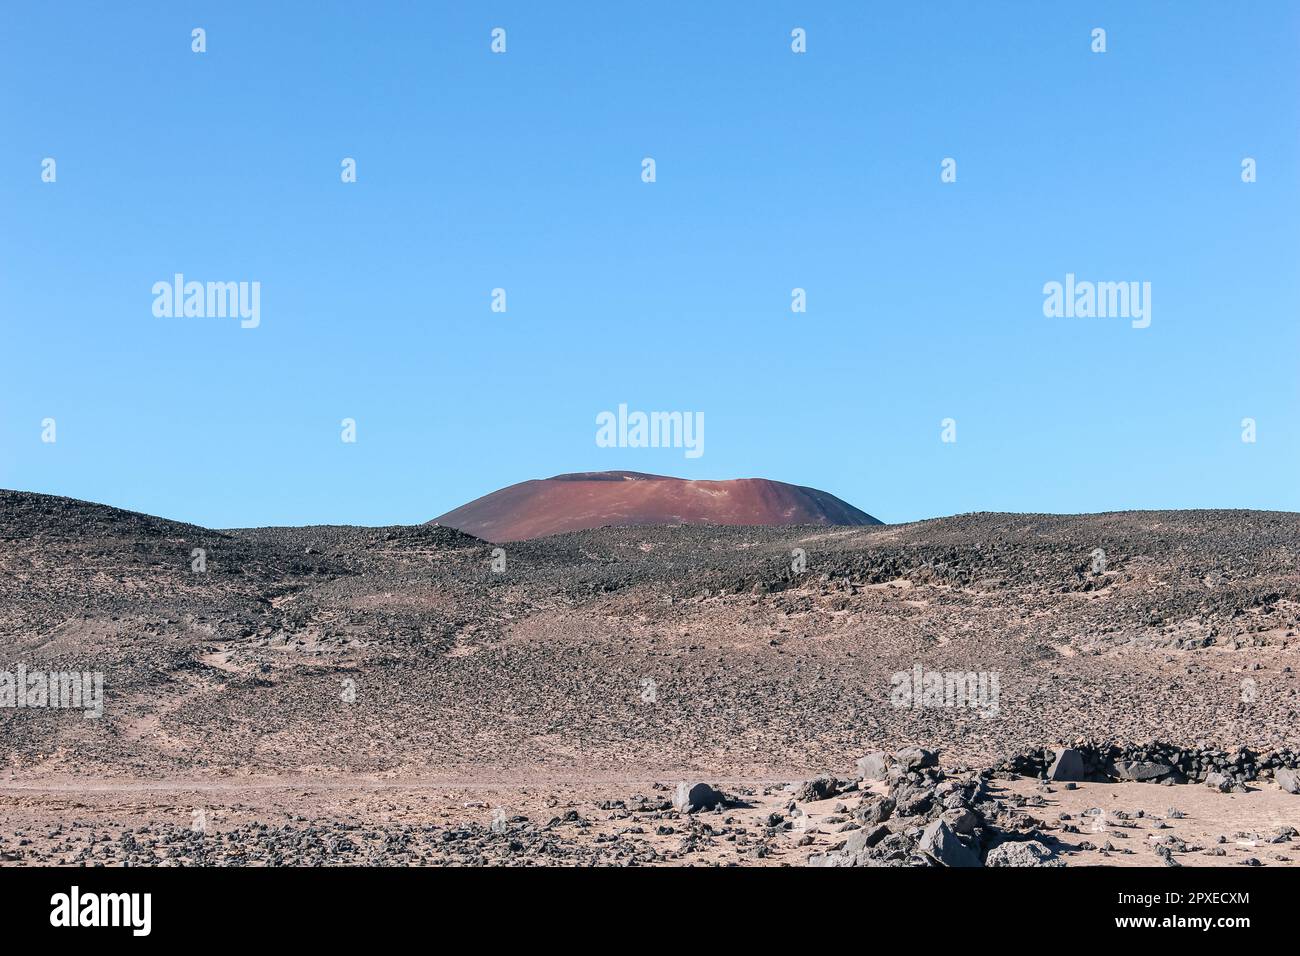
1157 762
929 816
932 817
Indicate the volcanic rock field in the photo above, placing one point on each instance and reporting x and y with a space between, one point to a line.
416 695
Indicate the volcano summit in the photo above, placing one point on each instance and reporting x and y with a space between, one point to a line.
578 502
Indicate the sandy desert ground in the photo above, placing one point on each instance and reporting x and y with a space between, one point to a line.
396 695
592 823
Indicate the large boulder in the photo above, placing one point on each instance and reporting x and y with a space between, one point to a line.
862 840
823 788
962 820
1143 771
941 844
1287 779
912 799
1068 765
1026 853
1219 782
693 797
916 758
873 766
954 801
874 810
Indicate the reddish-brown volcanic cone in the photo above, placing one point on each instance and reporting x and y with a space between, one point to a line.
532 509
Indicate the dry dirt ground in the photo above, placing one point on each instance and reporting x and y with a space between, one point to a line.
596 823
344 695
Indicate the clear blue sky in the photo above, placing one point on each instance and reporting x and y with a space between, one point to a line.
775 170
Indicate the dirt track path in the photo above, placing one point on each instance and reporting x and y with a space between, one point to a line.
492 782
